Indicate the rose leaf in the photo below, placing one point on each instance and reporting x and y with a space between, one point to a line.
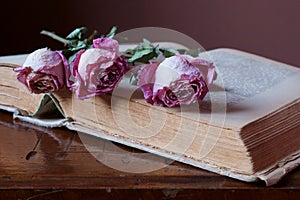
112 32
139 54
77 33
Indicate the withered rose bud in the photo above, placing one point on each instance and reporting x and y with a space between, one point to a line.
43 71
180 79
98 70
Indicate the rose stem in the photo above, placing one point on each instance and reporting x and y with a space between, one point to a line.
92 36
56 37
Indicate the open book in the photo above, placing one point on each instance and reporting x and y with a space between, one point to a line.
247 127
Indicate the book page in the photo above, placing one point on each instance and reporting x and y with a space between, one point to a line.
254 86
14 59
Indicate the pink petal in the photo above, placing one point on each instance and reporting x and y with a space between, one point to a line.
66 68
207 69
146 79
107 44
23 72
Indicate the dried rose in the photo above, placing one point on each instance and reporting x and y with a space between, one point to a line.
98 70
43 71
180 79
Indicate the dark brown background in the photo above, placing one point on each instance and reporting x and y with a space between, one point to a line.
267 27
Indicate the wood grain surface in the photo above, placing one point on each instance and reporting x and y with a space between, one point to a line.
42 163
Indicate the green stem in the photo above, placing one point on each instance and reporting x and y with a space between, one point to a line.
56 37
92 36
126 55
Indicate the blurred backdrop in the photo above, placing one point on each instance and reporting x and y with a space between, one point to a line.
266 27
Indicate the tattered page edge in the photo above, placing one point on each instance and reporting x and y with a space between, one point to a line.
276 172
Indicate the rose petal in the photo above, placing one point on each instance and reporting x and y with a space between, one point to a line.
75 63
162 98
107 44
92 58
42 57
171 69
23 72
146 79
55 71
207 69
66 68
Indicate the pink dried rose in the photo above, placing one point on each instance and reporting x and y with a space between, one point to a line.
98 70
180 79
43 71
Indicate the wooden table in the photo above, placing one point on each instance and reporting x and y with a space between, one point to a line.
42 163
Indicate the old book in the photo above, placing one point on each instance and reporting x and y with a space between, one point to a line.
246 128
